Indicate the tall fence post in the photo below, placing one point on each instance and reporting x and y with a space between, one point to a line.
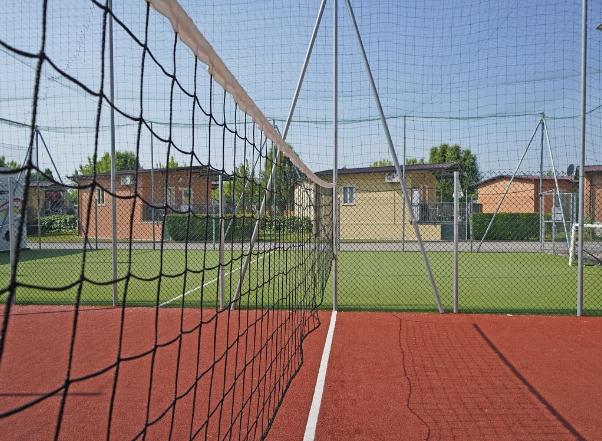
582 158
403 176
335 159
152 179
456 238
541 196
222 295
12 237
113 163
38 212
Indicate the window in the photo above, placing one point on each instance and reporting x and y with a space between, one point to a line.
100 196
348 195
149 214
171 197
127 180
187 196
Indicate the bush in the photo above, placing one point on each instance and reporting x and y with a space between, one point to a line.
54 224
201 227
287 224
506 226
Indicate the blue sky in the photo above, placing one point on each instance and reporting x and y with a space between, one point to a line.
472 72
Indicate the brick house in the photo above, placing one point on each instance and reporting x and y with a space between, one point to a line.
523 195
593 193
187 188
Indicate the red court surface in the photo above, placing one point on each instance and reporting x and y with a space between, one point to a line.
391 376
394 376
209 376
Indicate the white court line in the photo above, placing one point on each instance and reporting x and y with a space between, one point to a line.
314 411
167 302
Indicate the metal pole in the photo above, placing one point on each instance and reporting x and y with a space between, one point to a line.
56 170
335 155
469 221
541 197
553 223
95 220
38 191
12 237
383 120
213 220
456 214
289 118
403 176
222 295
113 165
255 234
152 178
508 187
582 158
566 232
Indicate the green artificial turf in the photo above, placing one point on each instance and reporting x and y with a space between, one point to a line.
488 282
53 277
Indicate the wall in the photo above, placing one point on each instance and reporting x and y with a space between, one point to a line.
100 216
523 196
549 185
593 197
377 214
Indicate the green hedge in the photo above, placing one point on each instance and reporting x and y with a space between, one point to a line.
201 226
54 224
287 224
506 226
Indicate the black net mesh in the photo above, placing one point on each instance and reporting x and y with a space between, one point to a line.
177 268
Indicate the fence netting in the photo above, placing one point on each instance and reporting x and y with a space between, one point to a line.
176 247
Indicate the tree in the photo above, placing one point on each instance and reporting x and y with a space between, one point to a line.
242 190
171 163
469 170
124 160
388 162
45 175
4 163
382 163
284 178
34 176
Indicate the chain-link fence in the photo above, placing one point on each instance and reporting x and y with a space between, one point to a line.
514 239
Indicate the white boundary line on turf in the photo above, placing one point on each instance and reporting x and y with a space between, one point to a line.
314 410
167 302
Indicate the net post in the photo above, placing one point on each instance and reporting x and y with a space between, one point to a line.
335 157
581 219
284 134
113 163
402 183
255 234
221 291
11 233
456 214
